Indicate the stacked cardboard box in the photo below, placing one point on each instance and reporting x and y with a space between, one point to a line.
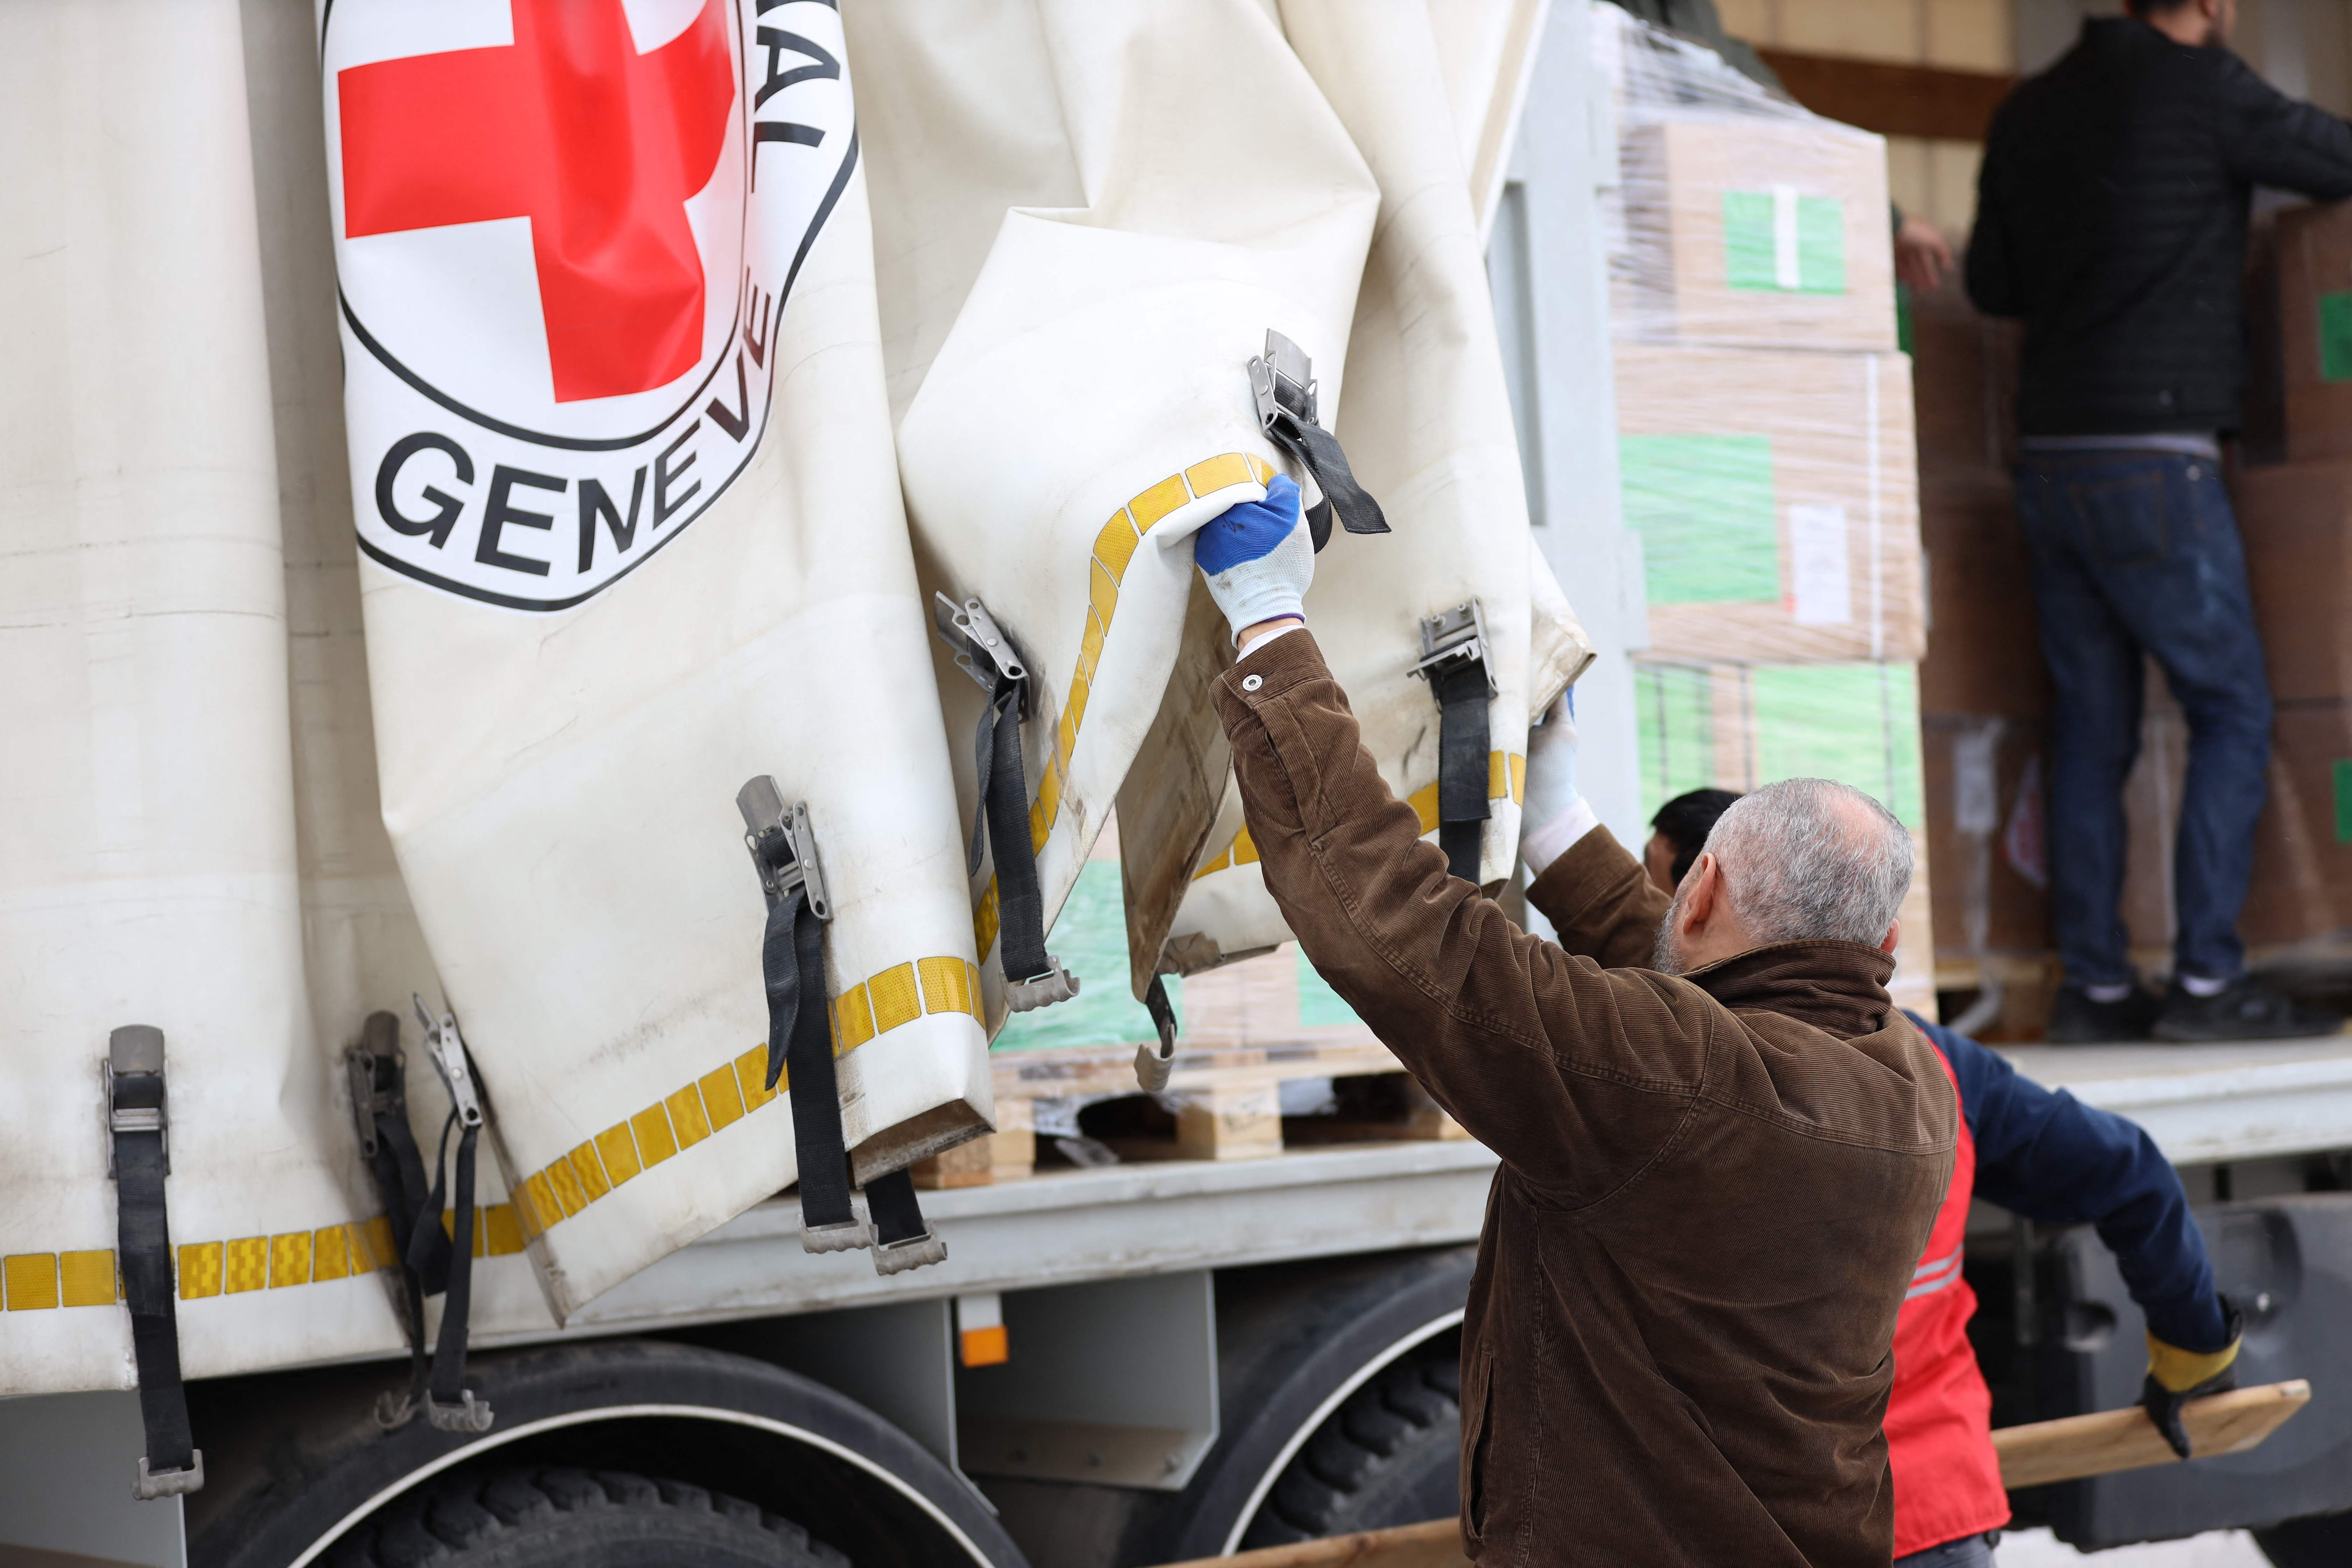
1765 424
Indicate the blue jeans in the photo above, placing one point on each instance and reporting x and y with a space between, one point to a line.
2137 553
1969 1552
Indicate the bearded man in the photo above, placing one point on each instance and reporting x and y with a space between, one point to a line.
1722 1147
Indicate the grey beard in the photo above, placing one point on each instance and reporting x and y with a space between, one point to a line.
1666 953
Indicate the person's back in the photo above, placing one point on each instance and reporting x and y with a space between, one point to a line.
2112 218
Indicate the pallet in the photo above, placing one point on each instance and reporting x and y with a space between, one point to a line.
1221 1103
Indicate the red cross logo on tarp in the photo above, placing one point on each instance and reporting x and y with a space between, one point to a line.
570 127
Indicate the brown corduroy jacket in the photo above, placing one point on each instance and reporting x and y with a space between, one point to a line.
1713 1192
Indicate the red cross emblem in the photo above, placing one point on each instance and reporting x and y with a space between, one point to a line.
597 144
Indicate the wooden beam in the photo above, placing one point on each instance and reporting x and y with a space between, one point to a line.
1892 100
2077 1446
2031 1456
1437 1544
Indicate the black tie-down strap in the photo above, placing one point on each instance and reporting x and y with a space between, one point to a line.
800 1039
1154 1064
138 1121
437 1262
378 1077
1453 661
1033 978
1283 383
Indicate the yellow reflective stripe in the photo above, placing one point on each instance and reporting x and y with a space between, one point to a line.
722 1096
686 1117
618 1152
289 1259
330 1253
855 1016
1114 547
1244 848
381 1251
1518 778
656 1142
247 1267
896 999
30 1281
502 1229
87 1277
200 1269
751 1072
595 1180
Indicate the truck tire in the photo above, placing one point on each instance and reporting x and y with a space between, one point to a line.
562 1517
1390 1456
2318 1541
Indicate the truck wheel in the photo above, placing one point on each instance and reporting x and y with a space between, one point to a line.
577 1519
2318 1541
1390 1456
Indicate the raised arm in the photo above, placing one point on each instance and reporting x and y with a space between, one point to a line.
1575 1075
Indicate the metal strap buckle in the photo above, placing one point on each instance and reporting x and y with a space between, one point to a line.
1057 984
1451 639
468 1414
1282 382
153 1484
136 1050
983 650
898 1257
448 1053
783 844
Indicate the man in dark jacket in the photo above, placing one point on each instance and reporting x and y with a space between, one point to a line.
1719 1165
2036 1152
2111 215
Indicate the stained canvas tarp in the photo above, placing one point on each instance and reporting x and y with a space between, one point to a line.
632 536
1427 422
148 855
1088 216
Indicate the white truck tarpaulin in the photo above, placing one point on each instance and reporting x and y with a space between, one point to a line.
621 459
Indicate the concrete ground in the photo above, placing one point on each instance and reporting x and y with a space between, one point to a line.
2223 1549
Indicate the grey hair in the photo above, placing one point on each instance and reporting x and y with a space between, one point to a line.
1812 859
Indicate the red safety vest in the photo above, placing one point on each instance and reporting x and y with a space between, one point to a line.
1939 1416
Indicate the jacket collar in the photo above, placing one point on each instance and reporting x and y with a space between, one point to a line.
1838 987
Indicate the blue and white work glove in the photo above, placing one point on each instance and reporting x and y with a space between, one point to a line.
1258 558
1552 815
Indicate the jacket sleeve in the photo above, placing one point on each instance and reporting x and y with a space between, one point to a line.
2270 139
1601 902
1990 270
2046 1155
1576 1075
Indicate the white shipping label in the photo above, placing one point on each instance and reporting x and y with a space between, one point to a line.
564 230
1820 577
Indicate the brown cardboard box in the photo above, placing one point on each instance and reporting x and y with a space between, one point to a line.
1776 497
2302 884
1753 233
1964 383
1984 647
2315 330
1994 763
2296 522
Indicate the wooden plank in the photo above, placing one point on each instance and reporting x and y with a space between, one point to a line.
1933 101
2109 1440
1437 1544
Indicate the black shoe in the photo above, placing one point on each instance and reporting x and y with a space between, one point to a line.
2240 1011
2077 1020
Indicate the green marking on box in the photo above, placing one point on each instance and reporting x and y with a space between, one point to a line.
1091 937
1674 732
1752 249
2336 337
1703 505
1319 1006
1856 723
2343 800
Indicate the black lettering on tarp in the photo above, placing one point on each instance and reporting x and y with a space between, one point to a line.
736 420
439 525
757 345
664 476
766 131
594 503
498 514
775 40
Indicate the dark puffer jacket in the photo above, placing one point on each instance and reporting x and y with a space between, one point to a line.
2111 215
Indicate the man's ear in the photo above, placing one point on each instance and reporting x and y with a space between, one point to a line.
1894 935
1701 886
